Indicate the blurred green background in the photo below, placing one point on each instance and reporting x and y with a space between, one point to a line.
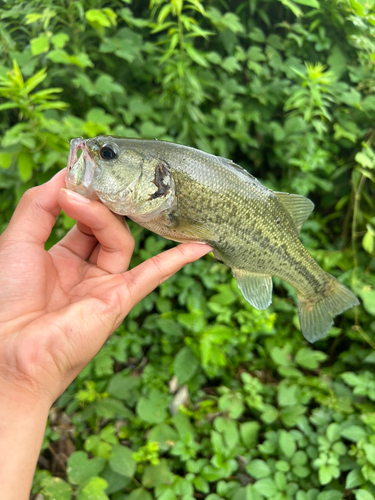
199 395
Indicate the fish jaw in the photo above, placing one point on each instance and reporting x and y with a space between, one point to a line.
80 174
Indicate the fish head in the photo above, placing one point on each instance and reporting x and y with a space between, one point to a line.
105 170
126 175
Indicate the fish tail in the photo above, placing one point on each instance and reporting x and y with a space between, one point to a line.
316 313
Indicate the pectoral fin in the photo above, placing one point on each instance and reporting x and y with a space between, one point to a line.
298 206
193 229
256 288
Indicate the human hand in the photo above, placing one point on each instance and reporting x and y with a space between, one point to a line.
57 308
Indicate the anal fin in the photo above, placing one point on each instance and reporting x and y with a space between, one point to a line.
256 288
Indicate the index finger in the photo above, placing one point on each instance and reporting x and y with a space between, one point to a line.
143 279
36 212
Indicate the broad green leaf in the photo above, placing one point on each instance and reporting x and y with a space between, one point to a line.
94 489
368 297
59 40
124 387
25 166
287 444
266 487
258 469
152 409
353 433
80 468
228 429
55 487
354 478
155 475
363 495
5 160
116 482
249 433
308 358
122 461
310 3
139 494
368 242
185 365
39 45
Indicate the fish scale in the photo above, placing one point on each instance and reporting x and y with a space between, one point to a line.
184 194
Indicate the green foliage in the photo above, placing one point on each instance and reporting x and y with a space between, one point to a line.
197 394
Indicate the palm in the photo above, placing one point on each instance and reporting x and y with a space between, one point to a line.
57 308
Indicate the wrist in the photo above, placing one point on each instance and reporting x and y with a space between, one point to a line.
23 418
16 396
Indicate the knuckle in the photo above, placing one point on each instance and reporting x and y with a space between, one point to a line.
158 262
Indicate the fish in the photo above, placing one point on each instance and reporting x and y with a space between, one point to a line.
187 195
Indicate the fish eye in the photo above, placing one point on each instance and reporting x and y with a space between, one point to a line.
108 152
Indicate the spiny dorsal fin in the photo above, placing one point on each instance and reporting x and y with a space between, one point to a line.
298 206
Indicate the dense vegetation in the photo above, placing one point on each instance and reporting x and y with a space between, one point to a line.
199 395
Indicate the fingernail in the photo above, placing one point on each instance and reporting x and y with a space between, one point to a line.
78 198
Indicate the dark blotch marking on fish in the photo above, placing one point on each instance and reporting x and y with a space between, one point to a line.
162 171
278 220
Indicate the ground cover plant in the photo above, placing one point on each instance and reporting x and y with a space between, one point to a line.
199 395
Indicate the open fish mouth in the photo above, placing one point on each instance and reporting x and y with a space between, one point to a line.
80 174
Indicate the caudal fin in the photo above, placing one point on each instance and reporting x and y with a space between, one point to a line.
316 315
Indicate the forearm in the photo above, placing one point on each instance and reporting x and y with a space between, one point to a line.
22 423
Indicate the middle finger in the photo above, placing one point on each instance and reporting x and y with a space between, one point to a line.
116 241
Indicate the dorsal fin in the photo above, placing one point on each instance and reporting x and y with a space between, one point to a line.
298 206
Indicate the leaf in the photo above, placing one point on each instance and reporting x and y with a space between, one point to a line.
97 18
164 435
364 160
155 475
327 473
329 495
368 242
310 3
124 387
363 495
368 298
266 487
354 478
122 461
115 481
185 365
370 452
5 160
293 7
196 56
353 433
152 409
228 429
55 487
80 468
59 40
333 432
39 45
25 166
258 469
286 443
139 494
93 490
281 355
111 407
309 358
249 433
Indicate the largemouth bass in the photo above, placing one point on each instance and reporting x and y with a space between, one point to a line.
186 195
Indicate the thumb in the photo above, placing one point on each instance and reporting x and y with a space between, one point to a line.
36 213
